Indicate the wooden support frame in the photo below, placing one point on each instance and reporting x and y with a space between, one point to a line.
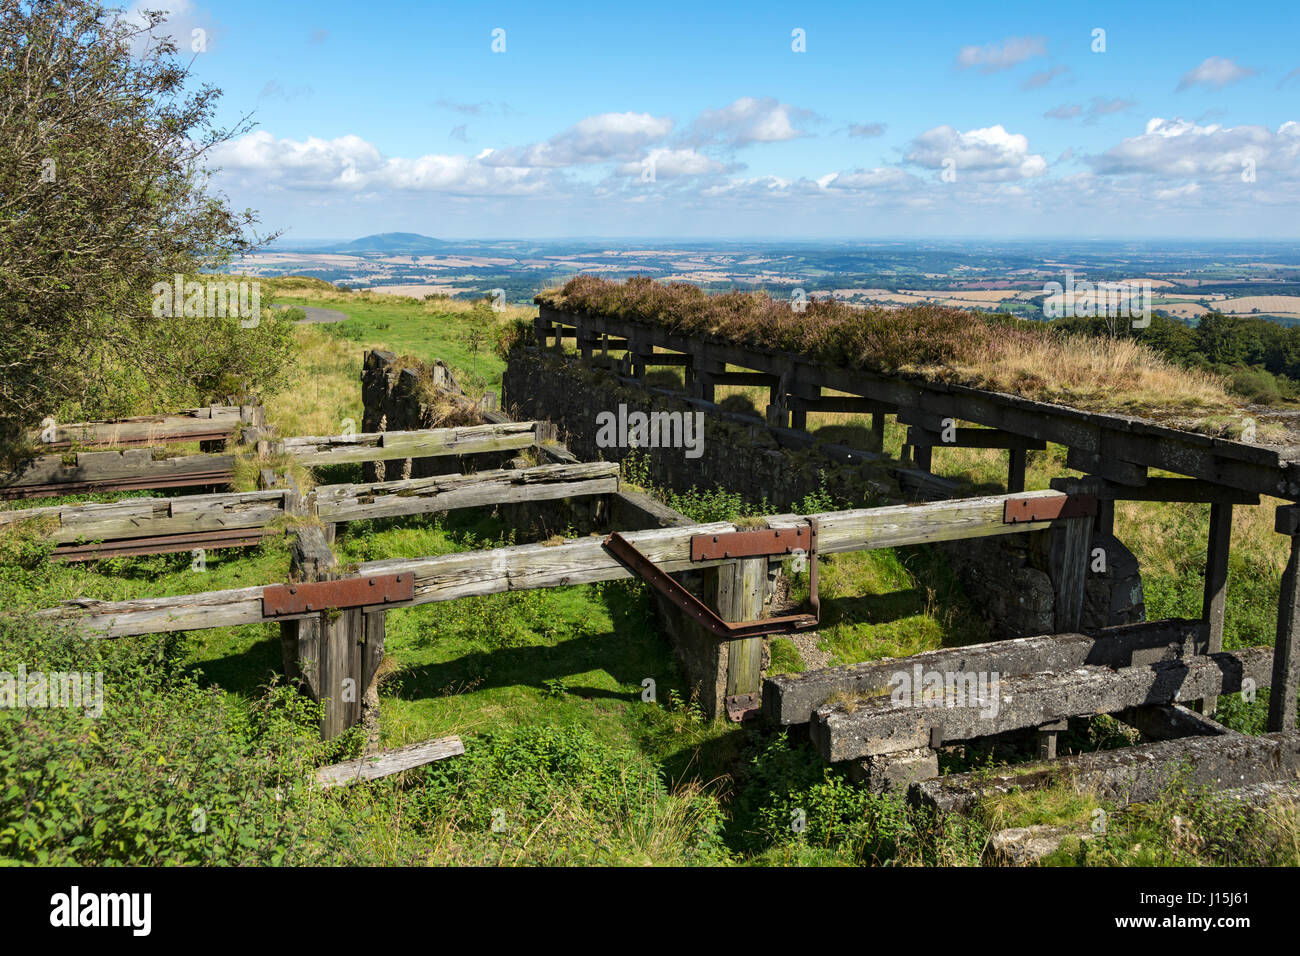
1286 649
1107 437
1214 603
582 561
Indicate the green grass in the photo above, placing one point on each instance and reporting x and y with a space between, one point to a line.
546 689
423 330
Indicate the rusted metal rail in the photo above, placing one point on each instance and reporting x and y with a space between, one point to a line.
735 544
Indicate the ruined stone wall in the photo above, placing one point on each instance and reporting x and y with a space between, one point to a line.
740 458
1006 577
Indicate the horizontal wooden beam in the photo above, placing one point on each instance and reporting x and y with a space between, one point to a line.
739 378
1127 775
209 423
663 358
425 443
792 698
1191 490
388 762
971 438
144 517
389 499
451 576
884 724
134 468
843 404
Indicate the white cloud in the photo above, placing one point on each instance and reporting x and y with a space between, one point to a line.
672 164
879 178
349 163
993 57
1036 81
980 155
607 137
1178 149
866 129
750 120
183 18
1214 71
1097 108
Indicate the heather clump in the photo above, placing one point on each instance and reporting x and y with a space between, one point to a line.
937 343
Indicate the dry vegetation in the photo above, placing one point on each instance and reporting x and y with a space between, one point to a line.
933 342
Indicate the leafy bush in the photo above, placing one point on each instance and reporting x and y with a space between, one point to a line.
573 795
1256 385
169 774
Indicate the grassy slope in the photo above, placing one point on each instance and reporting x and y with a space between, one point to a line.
546 686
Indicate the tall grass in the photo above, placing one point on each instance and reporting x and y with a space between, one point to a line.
932 342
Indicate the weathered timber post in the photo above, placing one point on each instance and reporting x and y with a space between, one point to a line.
1286 649
799 413
310 558
341 640
742 585
375 625
1216 583
778 406
587 340
1070 554
1016 470
331 652
704 379
923 457
877 443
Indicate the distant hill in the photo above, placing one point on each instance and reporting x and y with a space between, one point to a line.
392 243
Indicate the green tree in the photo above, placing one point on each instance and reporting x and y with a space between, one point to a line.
102 195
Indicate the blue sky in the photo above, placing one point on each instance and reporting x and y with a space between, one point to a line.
693 119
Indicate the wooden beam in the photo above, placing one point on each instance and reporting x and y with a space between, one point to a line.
425 443
792 698
200 424
1112 469
839 404
134 468
742 586
451 576
1215 600
740 378
388 499
388 762
144 517
972 438
884 725
1190 490
1286 648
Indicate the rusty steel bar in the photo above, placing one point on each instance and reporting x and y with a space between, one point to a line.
53 489
665 584
283 599
161 544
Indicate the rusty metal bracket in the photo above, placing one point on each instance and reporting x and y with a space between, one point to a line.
752 544
1039 508
641 566
742 706
281 599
